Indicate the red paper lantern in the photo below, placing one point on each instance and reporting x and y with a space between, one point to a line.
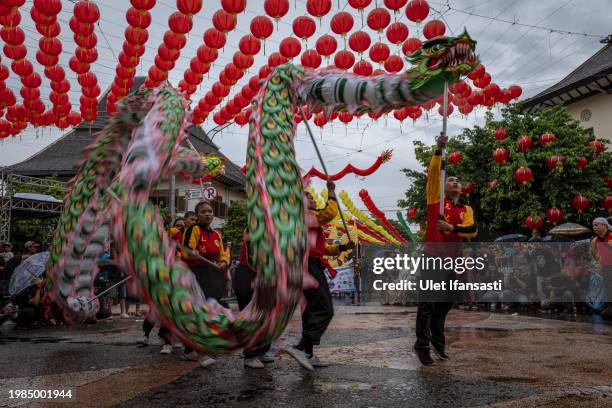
554 215
359 41
249 44
547 138
554 161
15 53
48 7
454 157
87 55
191 77
318 8
241 119
345 117
211 99
189 7
261 27
500 134
265 71
78 27
51 46
311 59
137 18
433 29
214 38
136 35
163 64
411 45
394 63
254 83
326 45
233 73
449 110
582 163
341 23
220 90
276 8
218 119
290 47
580 203
534 223
86 41
597 146
46 60
359 5
276 59
143 4
523 175
606 203
466 108
344 59
414 112
417 10
242 61
87 80
397 33
224 21
304 27
206 54
378 19
363 68
491 184
379 52
180 23
174 41
157 75
483 81
22 67
31 81
29 93
76 66
500 155
133 50
12 35
515 91
395 5
233 6
491 91
86 12
524 143
477 73
467 189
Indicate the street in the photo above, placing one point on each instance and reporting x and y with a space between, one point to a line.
509 361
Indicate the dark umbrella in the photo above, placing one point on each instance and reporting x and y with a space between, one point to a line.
511 238
31 268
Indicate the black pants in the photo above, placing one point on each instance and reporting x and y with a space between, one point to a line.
163 333
212 283
432 309
319 307
241 284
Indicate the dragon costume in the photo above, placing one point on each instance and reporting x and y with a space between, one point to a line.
142 144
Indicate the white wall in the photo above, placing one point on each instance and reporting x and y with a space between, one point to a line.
601 114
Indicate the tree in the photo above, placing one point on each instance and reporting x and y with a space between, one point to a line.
502 204
235 225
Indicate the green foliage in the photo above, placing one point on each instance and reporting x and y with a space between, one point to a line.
235 225
504 207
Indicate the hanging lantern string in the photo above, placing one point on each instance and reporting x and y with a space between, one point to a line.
314 143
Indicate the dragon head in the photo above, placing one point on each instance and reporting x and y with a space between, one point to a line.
443 58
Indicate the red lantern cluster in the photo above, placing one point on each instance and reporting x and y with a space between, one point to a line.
86 14
524 143
500 134
554 161
180 23
547 138
597 146
17 116
136 35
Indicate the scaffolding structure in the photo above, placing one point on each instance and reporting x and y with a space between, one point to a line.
11 206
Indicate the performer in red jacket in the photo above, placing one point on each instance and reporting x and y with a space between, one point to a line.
456 225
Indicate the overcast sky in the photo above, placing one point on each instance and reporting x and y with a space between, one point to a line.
531 57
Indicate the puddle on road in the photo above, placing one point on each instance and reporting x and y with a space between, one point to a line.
326 386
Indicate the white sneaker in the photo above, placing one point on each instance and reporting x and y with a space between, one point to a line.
253 363
146 341
124 316
316 362
267 358
206 361
166 349
300 357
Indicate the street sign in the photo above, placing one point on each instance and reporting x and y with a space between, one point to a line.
209 193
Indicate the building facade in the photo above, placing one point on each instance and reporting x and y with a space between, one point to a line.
586 92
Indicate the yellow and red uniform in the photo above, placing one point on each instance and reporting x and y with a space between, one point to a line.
208 243
321 249
459 215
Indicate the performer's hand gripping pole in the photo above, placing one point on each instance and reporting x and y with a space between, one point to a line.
314 143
